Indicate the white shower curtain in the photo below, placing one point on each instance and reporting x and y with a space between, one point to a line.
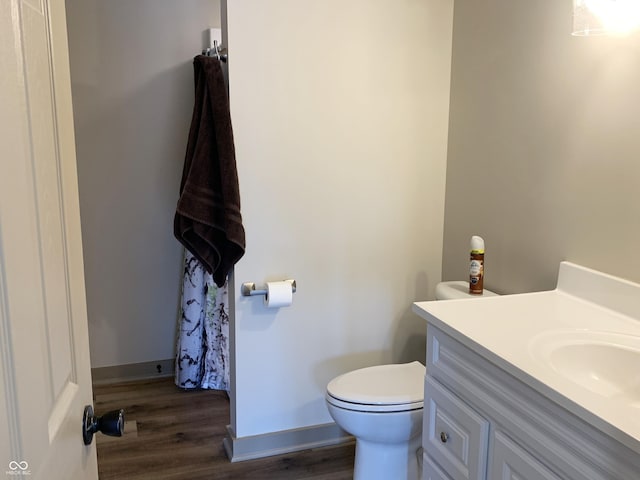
202 354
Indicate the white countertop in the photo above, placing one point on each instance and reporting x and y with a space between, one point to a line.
511 331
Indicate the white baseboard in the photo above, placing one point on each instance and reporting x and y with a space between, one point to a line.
278 443
133 371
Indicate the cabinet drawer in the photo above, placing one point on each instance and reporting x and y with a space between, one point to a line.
510 461
454 435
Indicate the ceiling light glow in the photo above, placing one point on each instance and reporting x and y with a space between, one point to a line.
605 17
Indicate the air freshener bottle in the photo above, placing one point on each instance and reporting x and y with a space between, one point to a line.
476 266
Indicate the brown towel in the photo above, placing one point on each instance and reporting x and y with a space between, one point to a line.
208 220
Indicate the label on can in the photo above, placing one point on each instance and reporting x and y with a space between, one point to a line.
476 268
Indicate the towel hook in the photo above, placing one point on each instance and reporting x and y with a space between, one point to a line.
217 51
221 53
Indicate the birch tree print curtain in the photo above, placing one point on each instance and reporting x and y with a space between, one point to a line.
202 353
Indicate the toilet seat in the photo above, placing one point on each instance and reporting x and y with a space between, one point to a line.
382 388
374 408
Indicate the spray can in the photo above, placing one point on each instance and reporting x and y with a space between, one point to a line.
476 266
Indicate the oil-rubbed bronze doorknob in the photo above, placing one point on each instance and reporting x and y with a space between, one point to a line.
111 423
444 437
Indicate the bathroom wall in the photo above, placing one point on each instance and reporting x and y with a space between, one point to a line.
340 116
543 145
340 121
132 87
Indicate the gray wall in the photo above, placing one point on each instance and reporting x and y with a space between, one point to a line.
132 87
341 137
542 160
544 146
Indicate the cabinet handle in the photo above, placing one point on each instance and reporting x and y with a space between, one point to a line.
444 437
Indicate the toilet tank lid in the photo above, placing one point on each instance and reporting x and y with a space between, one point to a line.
393 384
458 289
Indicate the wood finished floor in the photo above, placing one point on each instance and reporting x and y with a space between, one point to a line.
172 434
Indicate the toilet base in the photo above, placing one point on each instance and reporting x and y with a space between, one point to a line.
384 461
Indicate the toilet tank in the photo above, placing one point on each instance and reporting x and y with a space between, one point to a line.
458 289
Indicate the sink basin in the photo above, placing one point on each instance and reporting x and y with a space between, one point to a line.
604 363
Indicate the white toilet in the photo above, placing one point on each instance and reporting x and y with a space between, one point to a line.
382 406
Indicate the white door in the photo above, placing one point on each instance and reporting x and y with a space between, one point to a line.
45 378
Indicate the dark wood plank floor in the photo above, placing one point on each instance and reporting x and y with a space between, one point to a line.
174 434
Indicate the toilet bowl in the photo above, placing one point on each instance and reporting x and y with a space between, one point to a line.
382 408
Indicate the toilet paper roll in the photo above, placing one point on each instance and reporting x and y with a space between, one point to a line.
279 294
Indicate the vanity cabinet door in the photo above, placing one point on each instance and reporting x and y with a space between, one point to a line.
510 462
431 471
454 435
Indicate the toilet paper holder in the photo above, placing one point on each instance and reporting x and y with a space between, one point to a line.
249 289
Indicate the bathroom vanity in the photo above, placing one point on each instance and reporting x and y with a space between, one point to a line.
535 386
